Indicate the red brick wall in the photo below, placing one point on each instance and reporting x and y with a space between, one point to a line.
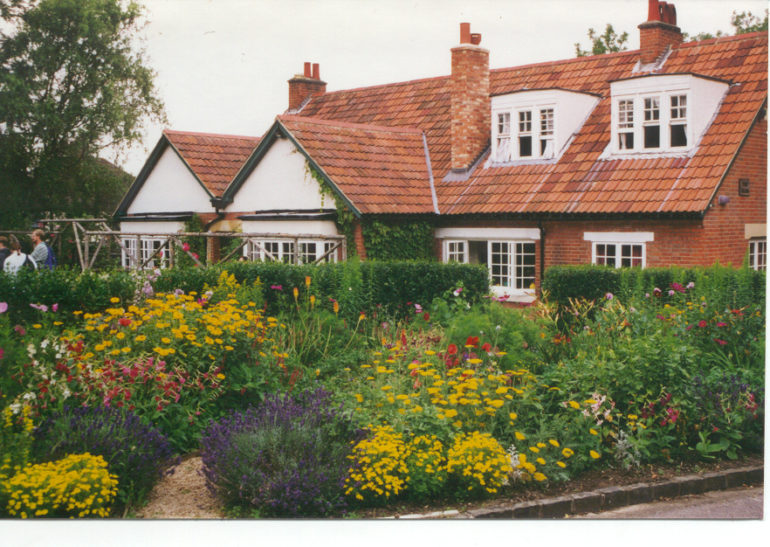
470 107
358 236
655 37
300 88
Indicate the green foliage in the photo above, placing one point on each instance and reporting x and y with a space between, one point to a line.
745 22
70 289
72 84
398 240
345 217
608 42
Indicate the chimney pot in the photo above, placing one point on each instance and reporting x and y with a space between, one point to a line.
671 9
653 10
307 70
465 33
316 72
475 38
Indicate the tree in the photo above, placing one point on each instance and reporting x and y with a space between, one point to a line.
609 42
71 84
745 22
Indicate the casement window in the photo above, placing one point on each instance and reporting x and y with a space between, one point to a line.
311 251
307 251
678 121
651 126
618 255
503 136
626 124
511 264
619 249
758 254
525 134
546 132
148 255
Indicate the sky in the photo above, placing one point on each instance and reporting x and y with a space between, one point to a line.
222 65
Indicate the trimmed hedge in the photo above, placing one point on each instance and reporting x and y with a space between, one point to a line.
70 289
722 286
357 286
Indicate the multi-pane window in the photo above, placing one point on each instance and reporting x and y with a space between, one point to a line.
619 254
758 254
150 255
525 133
503 136
307 252
455 251
652 122
678 121
546 132
626 124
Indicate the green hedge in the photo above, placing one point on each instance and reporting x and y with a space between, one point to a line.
70 289
357 286
722 286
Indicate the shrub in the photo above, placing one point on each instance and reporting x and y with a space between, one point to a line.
15 442
139 455
78 485
379 471
287 457
426 462
477 465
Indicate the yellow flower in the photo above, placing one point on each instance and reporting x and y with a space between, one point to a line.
574 404
541 461
592 431
595 455
539 477
336 307
561 464
520 436
221 376
554 442
295 292
567 452
114 300
534 449
307 281
312 300
513 416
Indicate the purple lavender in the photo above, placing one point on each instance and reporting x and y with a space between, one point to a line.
287 457
137 453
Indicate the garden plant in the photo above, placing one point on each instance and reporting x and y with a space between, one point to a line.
315 392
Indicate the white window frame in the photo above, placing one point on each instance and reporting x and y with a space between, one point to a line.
758 254
618 240
503 138
641 117
147 247
534 126
625 124
321 248
515 283
651 113
283 250
678 117
546 138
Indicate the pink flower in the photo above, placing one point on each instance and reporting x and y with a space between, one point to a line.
3 307
40 307
702 323
2 353
55 307
609 296
185 246
19 330
720 324
720 342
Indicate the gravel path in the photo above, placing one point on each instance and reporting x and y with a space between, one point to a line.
182 495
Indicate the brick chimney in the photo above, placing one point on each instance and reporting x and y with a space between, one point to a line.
659 32
470 107
305 85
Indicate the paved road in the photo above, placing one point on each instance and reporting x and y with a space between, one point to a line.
737 503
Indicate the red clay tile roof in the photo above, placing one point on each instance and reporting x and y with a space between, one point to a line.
214 159
580 182
378 169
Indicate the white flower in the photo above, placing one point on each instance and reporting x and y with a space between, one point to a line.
28 396
44 343
31 350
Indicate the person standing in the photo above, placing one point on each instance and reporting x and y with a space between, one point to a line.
16 260
4 250
40 251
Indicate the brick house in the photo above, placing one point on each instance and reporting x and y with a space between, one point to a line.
651 157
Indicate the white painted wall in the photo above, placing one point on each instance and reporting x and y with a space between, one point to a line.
293 227
152 227
170 187
279 181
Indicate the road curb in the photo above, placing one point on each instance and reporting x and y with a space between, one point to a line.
611 497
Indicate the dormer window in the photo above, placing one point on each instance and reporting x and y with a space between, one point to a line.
678 123
546 132
662 113
536 124
652 122
525 134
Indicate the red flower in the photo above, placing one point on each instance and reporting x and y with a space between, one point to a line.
720 342
487 347
426 316
185 246
472 341
452 349
702 323
124 321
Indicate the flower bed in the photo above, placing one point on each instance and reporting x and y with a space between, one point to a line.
454 401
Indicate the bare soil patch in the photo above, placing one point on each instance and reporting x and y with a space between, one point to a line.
183 495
